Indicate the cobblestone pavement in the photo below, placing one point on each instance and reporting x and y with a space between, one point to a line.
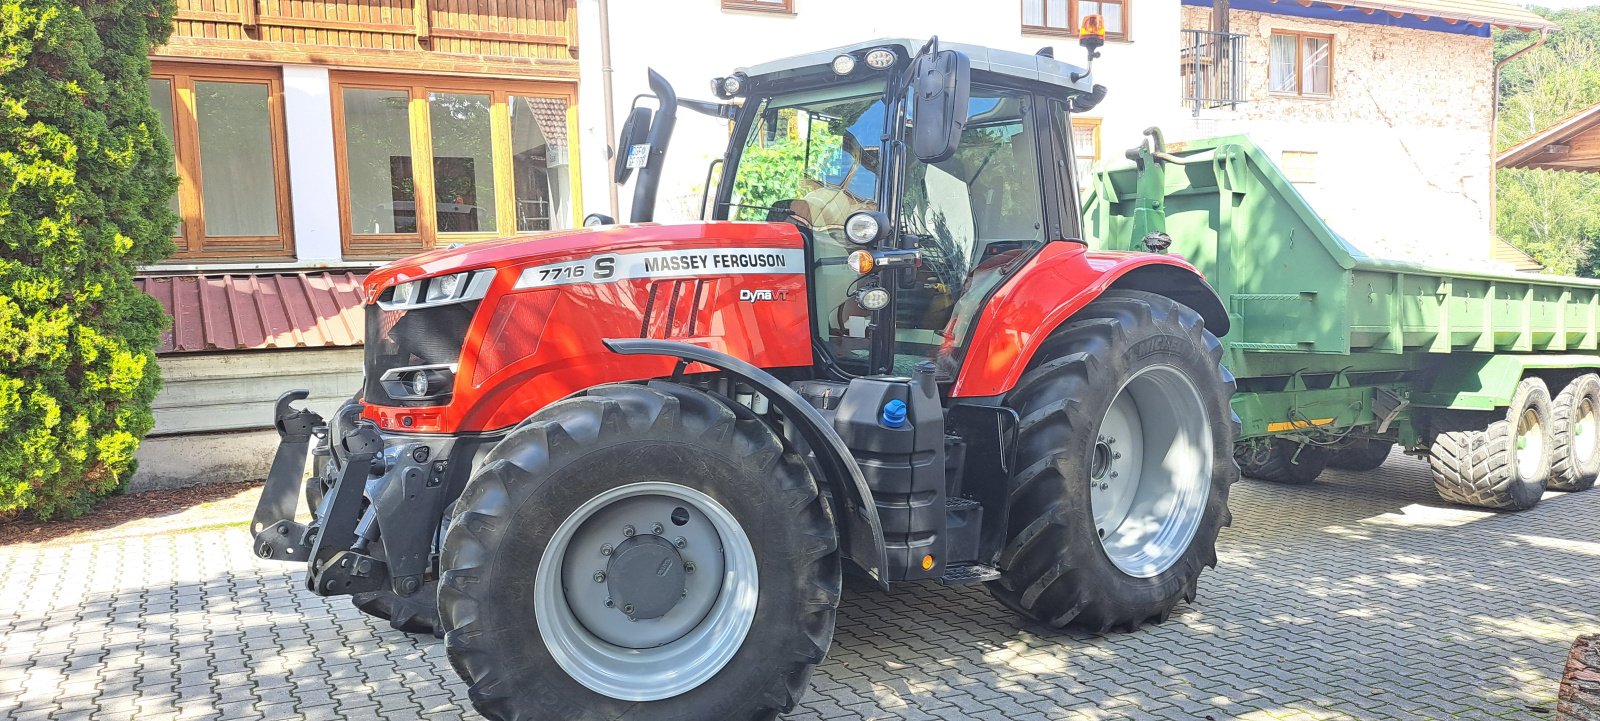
1359 597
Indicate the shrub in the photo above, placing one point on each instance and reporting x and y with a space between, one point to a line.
85 178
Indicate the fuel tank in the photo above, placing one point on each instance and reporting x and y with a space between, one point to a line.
534 334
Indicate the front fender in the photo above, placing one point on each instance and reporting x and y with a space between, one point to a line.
1058 282
860 529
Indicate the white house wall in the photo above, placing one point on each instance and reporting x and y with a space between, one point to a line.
1399 159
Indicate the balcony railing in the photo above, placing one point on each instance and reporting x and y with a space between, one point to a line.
1212 66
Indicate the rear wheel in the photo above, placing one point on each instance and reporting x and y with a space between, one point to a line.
1505 465
639 551
1575 456
1125 458
1362 455
1285 461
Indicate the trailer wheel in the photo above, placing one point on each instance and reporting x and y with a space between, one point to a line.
644 552
1575 424
417 613
1124 458
1505 465
1284 461
1363 455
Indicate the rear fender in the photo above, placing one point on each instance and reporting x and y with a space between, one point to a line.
1058 282
860 529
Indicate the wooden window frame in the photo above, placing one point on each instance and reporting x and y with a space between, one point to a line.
1300 64
193 244
418 87
1074 20
780 7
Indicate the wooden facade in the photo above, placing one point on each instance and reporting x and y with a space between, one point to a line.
535 39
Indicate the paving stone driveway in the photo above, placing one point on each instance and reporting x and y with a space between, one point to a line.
1359 597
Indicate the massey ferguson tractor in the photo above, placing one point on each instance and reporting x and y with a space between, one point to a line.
621 469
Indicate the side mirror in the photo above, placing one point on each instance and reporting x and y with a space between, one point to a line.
941 84
633 133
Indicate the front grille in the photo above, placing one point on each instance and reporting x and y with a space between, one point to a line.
413 337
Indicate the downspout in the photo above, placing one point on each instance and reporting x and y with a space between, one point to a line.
605 79
1494 134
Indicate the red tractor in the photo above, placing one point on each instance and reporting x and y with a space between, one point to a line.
621 469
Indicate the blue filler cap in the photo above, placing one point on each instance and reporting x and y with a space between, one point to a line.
894 414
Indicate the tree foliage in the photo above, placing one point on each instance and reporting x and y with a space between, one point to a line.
85 178
1553 216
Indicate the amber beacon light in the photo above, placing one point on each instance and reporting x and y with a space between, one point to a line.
1092 32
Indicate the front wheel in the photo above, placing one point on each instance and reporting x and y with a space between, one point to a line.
639 551
1124 458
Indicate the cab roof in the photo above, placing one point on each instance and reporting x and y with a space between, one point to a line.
1037 68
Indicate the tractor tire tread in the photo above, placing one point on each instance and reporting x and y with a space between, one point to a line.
611 414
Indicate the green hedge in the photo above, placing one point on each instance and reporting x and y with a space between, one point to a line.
85 179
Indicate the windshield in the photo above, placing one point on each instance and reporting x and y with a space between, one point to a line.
813 158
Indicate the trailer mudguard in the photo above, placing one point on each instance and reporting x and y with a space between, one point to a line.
1482 382
1057 282
860 529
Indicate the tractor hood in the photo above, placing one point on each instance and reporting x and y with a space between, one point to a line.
553 246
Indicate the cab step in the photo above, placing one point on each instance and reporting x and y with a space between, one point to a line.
961 574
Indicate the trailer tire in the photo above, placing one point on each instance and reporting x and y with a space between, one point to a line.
521 630
1287 462
1061 565
1575 423
417 613
1503 466
1363 455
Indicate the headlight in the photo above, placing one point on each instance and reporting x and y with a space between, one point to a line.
844 64
880 59
731 85
865 226
406 293
418 383
873 298
438 290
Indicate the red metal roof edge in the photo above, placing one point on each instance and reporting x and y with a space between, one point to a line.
258 311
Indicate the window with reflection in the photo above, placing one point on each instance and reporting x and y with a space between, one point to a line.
225 124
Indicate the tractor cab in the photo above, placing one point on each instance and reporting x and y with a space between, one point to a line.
920 175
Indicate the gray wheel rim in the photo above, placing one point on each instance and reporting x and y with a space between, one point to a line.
593 638
1529 452
1585 441
1150 473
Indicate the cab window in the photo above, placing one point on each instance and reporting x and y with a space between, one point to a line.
971 215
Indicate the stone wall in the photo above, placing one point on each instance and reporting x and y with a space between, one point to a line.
1398 160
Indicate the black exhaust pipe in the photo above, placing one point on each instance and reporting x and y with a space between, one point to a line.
644 189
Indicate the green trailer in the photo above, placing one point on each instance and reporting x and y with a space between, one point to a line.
1340 356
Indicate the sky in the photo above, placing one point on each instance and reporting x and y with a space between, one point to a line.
1563 4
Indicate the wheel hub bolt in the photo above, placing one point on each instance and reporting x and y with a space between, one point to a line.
606 550
1115 456
688 566
610 603
680 542
1113 474
657 529
628 531
599 576
628 609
